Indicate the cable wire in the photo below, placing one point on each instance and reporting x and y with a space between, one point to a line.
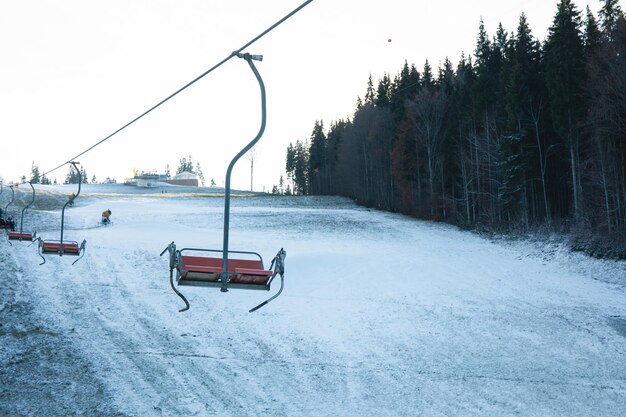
204 74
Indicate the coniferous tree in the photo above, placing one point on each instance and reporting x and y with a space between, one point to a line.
482 139
383 92
290 164
198 172
606 88
521 134
404 87
35 176
317 160
301 174
369 93
565 74
521 148
427 80
185 165
72 176
298 166
610 13
592 37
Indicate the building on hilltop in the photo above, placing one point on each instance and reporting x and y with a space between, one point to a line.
185 178
147 179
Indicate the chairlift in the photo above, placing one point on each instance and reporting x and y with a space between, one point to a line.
6 221
21 235
61 247
234 269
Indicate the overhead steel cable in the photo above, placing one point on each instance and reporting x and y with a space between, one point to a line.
204 74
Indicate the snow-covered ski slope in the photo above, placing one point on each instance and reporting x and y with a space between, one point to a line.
382 315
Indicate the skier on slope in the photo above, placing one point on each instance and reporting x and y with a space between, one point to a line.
105 216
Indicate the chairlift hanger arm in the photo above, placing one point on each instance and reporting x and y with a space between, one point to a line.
21 236
27 206
12 199
80 180
249 58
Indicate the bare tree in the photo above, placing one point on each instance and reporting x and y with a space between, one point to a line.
251 156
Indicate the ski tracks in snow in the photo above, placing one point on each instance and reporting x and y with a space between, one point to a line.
381 315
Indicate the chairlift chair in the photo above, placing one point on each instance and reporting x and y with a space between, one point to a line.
7 222
234 269
21 235
63 247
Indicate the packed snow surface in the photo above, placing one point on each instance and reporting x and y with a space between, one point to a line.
381 315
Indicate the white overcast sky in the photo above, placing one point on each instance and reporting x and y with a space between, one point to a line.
74 71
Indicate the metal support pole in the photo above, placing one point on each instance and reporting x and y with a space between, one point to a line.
80 180
249 58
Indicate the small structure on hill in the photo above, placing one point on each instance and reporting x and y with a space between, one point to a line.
185 178
149 180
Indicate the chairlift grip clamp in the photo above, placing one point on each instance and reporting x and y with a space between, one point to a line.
248 56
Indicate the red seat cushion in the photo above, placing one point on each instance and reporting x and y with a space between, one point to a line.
202 268
23 236
54 247
249 271
251 276
246 271
201 264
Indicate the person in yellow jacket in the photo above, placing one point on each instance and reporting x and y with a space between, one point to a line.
105 216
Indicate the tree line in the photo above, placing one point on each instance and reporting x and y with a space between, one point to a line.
72 177
521 135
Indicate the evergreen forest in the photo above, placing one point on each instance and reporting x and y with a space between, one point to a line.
522 136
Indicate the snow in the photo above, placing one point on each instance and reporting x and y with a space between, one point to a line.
381 314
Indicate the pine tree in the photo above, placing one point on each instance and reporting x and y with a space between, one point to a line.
609 15
198 172
72 176
35 177
592 37
317 159
369 93
606 160
404 87
565 75
297 166
521 144
383 92
522 87
427 76
281 185
301 174
290 163
485 82
185 165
